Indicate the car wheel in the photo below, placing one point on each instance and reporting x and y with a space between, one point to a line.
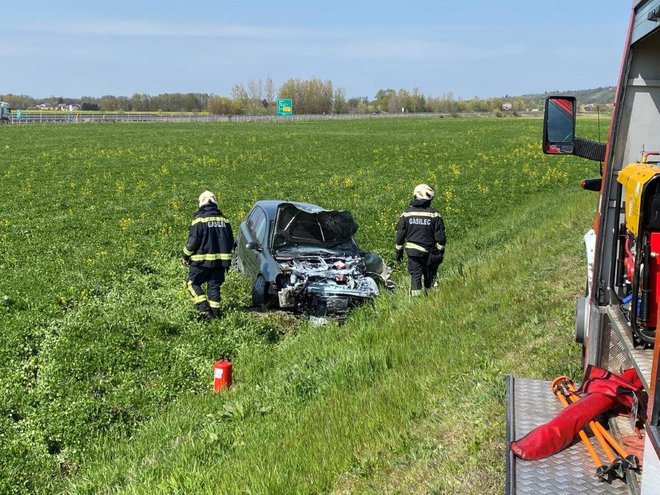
259 292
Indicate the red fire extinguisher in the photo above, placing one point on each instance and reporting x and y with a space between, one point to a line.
221 375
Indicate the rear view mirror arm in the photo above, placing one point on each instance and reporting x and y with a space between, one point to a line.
591 150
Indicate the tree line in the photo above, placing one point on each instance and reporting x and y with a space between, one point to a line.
310 96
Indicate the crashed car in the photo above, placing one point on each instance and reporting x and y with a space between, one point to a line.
303 258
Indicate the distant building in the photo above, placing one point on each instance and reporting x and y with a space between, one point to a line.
507 107
63 107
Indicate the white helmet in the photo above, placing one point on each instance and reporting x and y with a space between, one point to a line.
207 197
424 191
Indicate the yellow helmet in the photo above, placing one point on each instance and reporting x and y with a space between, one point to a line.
424 191
207 197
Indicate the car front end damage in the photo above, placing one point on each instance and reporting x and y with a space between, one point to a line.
304 259
323 287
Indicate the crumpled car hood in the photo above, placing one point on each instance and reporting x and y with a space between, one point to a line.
312 225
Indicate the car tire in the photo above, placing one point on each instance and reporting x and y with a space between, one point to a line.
259 292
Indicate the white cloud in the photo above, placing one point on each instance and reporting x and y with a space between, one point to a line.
127 28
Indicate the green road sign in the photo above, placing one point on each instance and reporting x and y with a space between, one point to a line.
285 106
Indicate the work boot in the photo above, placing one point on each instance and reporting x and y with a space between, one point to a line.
204 315
215 313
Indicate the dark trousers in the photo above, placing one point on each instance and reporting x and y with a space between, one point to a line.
213 278
435 260
423 271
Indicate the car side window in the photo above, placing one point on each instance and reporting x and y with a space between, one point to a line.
257 224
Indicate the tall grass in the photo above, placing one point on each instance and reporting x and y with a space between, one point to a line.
101 357
407 397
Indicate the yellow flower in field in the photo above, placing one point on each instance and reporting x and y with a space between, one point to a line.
164 170
175 204
348 182
125 223
119 186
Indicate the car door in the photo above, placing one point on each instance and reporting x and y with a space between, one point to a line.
252 232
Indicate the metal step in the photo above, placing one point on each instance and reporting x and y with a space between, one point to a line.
622 353
530 403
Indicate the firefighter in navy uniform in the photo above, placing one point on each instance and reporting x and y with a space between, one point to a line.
208 254
421 232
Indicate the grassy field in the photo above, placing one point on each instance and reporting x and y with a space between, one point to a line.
105 374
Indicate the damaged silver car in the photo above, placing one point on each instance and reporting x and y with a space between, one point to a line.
303 258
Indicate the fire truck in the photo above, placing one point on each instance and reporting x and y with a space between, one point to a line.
616 319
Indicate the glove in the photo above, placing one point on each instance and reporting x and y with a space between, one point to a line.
399 255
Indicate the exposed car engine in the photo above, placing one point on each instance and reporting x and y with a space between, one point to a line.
324 286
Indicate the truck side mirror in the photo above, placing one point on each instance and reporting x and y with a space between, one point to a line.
253 246
559 125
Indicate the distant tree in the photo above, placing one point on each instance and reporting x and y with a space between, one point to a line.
221 105
141 102
89 107
18 101
383 97
108 103
312 96
353 104
340 105
269 93
415 102
240 95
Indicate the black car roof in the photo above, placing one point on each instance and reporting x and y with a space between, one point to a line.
270 206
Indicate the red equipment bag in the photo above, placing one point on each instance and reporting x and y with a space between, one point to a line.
603 390
627 388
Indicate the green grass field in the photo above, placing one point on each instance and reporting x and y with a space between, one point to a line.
105 374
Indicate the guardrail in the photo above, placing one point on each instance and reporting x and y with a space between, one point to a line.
79 118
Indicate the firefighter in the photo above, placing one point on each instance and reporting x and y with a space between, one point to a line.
420 231
208 255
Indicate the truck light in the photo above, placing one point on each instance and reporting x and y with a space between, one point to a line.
591 184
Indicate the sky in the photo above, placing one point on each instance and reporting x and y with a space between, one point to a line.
472 48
